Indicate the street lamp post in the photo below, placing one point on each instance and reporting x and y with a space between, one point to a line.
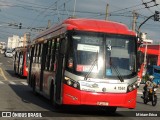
143 23
156 18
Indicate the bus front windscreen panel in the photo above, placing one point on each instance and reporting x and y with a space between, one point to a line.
102 55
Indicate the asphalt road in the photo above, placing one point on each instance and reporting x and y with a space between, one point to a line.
17 97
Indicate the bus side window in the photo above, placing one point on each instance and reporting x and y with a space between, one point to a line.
28 57
35 52
48 54
40 54
21 58
53 51
56 53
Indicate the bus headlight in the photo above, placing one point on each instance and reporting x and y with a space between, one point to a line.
71 82
132 87
75 85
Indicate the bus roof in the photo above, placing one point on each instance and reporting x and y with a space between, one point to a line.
91 25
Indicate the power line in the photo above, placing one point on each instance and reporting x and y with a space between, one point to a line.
148 4
31 3
60 10
31 6
43 12
126 8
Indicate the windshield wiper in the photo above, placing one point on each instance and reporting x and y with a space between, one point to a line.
91 68
117 71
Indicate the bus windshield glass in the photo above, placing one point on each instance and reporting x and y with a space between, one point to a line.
120 56
103 55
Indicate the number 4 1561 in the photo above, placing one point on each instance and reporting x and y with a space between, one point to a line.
119 88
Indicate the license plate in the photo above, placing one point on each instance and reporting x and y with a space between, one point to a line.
102 103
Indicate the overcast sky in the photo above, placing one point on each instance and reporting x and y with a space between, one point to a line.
34 14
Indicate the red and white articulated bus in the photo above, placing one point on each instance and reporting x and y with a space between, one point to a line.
20 62
85 62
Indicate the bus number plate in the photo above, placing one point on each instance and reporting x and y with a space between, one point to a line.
121 88
102 103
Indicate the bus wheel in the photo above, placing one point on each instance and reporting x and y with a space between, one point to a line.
55 105
15 70
112 109
109 109
34 86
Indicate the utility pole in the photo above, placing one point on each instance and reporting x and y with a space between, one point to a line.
49 24
74 8
107 12
134 20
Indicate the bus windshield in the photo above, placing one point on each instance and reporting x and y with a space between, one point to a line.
120 56
115 55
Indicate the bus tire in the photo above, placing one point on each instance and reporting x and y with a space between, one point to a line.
109 110
34 86
112 109
15 70
30 81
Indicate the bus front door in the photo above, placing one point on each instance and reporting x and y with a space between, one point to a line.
60 71
59 80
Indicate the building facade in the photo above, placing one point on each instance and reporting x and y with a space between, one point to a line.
16 41
13 42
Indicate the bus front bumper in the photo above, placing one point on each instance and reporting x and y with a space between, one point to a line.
72 96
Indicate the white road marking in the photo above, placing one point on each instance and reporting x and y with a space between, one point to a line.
1 72
24 83
13 83
1 82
